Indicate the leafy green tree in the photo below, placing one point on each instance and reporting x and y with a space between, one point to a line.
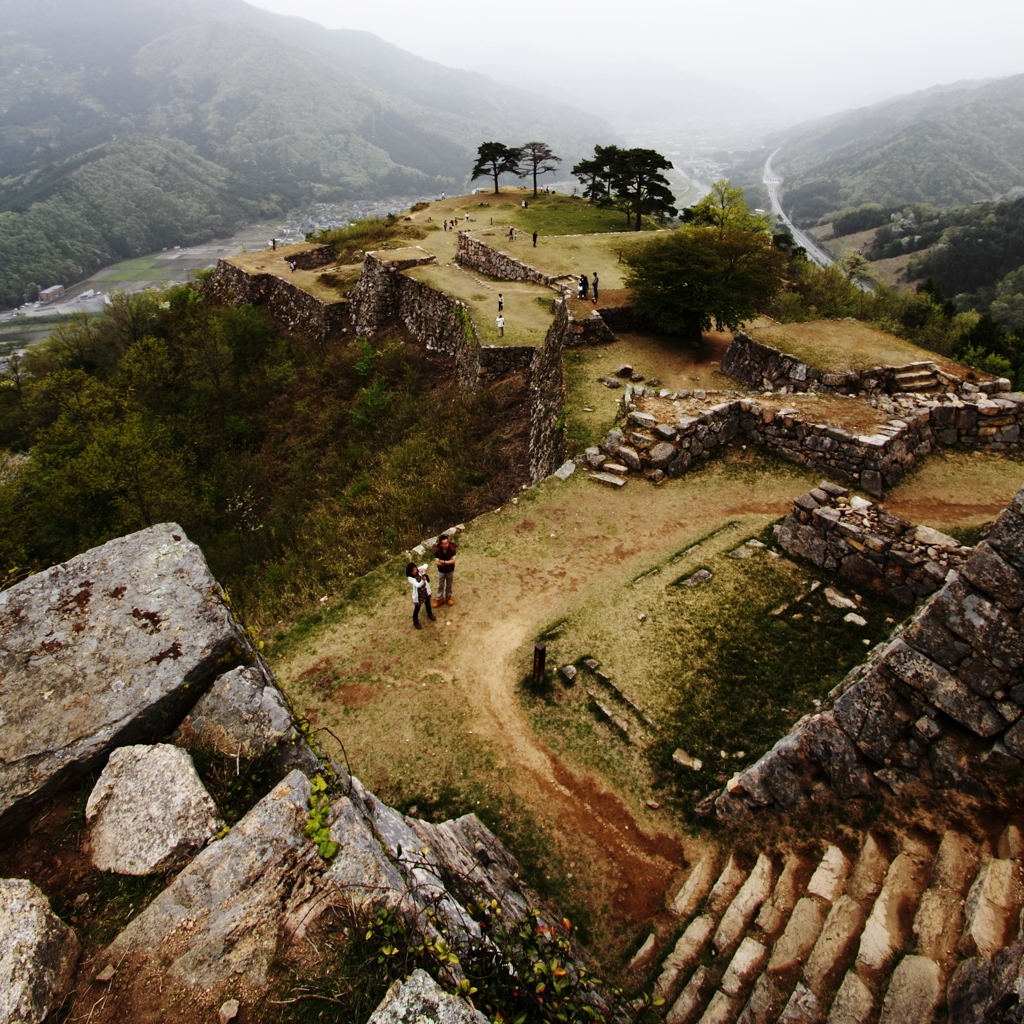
493 159
725 209
595 173
536 158
1008 306
638 185
686 281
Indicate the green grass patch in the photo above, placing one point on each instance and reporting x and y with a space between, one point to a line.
154 267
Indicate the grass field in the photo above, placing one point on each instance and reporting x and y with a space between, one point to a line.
847 345
145 268
270 261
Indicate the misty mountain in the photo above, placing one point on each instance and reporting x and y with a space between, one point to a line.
102 97
948 146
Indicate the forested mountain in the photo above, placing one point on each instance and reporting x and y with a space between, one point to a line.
942 147
127 125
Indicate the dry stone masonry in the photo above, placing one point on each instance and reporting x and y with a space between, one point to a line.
931 707
772 369
872 547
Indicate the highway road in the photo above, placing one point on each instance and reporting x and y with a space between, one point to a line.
773 182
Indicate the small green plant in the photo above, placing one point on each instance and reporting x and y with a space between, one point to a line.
317 827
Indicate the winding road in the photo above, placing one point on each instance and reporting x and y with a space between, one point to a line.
773 182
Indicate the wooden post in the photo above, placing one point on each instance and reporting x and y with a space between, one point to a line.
540 656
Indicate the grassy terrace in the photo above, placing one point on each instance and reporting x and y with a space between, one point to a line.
527 306
849 345
270 261
561 255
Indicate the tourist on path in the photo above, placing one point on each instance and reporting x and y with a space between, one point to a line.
595 287
584 285
511 234
535 239
501 302
444 552
417 577
500 321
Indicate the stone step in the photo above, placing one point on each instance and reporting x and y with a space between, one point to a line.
799 938
729 882
830 877
687 1008
888 925
684 956
608 479
854 1002
870 870
914 992
746 903
835 945
696 886
723 1009
915 377
772 917
992 908
764 1003
744 967
939 920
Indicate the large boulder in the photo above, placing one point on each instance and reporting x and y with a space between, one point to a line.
242 714
149 811
107 649
38 954
420 1000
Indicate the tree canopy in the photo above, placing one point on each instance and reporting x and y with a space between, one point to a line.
638 186
687 280
536 158
595 173
493 159
725 209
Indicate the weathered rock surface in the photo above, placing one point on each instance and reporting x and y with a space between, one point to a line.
102 651
242 714
149 811
38 954
420 1000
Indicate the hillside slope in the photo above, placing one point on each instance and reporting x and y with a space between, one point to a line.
946 148
264 109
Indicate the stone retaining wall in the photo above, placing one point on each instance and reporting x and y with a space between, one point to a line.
863 542
313 259
871 461
592 330
941 699
473 252
286 303
443 324
772 369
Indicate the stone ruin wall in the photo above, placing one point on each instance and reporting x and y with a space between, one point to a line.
474 252
444 324
286 304
772 369
873 548
937 706
871 461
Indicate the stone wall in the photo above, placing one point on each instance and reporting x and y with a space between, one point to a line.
871 461
592 330
444 324
876 549
286 303
313 259
474 252
772 369
929 708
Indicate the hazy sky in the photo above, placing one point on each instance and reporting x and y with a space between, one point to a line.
847 54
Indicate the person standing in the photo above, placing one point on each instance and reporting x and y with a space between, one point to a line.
417 578
584 286
535 239
444 552
595 287
500 321
501 303
511 234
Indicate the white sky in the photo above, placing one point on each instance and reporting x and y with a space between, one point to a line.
808 57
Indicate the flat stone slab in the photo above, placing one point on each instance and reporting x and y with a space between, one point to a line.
420 1000
106 649
608 479
38 954
149 811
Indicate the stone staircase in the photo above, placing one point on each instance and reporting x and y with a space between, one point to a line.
855 936
917 377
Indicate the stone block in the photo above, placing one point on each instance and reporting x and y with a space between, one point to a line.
799 938
914 993
775 912
989 573
685 954
835 945
149 811
728 884
38 954
853 1004
803 1007
696 886
686 1009
991 630
754 891
107 649
629 457
661 455
888 924
992 908
830 877
421 999
744 967
870 870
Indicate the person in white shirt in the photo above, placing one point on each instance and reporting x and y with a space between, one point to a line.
420 583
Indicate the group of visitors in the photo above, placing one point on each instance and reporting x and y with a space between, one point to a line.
419 580
584 287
